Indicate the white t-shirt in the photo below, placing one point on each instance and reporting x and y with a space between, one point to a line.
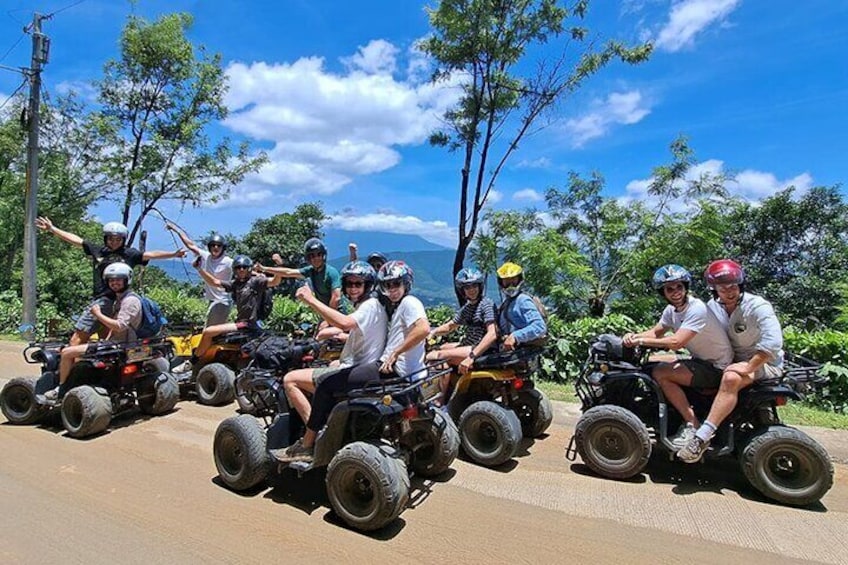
710 342
408 312
752 327
220 268
366 342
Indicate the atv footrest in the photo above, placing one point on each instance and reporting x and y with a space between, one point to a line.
300 466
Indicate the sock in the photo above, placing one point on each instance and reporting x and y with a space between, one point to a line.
706 431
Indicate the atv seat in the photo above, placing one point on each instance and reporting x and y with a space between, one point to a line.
503 359
237 337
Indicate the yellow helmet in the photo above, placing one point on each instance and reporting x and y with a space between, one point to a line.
509 270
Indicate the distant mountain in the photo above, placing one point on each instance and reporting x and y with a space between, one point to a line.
370 241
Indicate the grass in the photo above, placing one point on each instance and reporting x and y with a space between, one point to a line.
793 413
11 337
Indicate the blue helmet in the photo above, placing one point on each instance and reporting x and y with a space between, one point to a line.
242 261
671 273
469 276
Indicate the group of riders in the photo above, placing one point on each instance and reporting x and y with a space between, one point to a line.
384 330
732 340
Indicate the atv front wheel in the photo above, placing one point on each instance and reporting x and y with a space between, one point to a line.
365 486
215 384
240 452
489 432
613 442
85 412
535 412
434 445
787 465
18 402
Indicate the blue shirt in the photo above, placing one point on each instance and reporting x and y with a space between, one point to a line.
520 317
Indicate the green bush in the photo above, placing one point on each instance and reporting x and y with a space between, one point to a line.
830 348
289 315
11 307
569 343
179 305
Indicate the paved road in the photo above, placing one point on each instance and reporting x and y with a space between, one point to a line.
146 492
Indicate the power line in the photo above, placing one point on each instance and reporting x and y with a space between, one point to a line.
51 14
23 84
6 54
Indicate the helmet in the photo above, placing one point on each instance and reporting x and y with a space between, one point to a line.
467 277
670 273
242 261
217 238
314 245
118 271
115 228
362 270
724 271
395 270
507 271
377 258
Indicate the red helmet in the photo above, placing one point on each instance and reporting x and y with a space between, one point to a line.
724 271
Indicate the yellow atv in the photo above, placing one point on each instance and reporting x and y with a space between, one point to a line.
496 403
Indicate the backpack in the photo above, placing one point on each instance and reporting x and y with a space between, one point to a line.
543 311
266 304
152 319
540 306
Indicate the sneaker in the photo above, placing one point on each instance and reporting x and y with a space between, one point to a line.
184 367
684 435
49 397
295 452
693 451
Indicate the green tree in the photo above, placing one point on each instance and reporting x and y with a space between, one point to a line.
487 42
795 251
284 234
157 101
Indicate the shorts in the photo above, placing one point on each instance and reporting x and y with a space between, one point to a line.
218 313
768 372
87 323
704 373
320 374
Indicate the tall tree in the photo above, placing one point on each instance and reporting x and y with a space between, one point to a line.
157 100
486 42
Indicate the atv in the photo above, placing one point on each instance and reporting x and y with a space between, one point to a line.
625 416
374 437
496 404
212 381
109 379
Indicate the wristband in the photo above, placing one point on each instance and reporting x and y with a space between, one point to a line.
471 355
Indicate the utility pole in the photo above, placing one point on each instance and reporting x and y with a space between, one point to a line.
40 50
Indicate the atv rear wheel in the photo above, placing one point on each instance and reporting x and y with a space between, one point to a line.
240 452
18 402
85 412
157 394
366 487
613 442
434 446
215 384
787 465
535 412
489 432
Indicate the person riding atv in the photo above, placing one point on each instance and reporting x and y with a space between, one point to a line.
625 417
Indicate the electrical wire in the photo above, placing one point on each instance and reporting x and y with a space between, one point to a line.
6 54
12 95
51 14
166 220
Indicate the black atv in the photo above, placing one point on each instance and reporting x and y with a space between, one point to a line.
625 416
109 379
374 436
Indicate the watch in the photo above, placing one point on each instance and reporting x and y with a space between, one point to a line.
471 355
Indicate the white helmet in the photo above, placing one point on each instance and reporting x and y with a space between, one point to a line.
115 228
118 271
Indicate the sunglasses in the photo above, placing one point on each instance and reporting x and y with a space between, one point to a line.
673 287
241 268
392 284
311 255
354 284
728 286
215 245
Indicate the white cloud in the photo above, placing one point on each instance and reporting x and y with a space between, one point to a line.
749 184
243 196
436 231
527 194
494 197
85 90
690 17
540 163
327 128
619 108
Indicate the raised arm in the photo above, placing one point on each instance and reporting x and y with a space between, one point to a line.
43 223
148 255
284 272
187 241
331 315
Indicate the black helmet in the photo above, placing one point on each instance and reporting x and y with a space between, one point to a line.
314 245
377 260
217 238
242 261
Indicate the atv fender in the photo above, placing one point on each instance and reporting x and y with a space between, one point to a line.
464 382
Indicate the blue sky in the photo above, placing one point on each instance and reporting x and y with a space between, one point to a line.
338 97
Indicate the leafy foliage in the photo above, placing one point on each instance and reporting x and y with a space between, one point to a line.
831 349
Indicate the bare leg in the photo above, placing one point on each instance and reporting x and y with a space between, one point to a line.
208 334
295 383
728 394
68 357
672 377
80 337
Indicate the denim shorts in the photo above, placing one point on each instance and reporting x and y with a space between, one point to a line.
87 322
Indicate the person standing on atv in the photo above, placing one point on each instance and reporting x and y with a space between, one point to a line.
519 319
247 290
216 262
403 355
757 340
694 328
325 279
478 317
128 318
366 329
113 250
